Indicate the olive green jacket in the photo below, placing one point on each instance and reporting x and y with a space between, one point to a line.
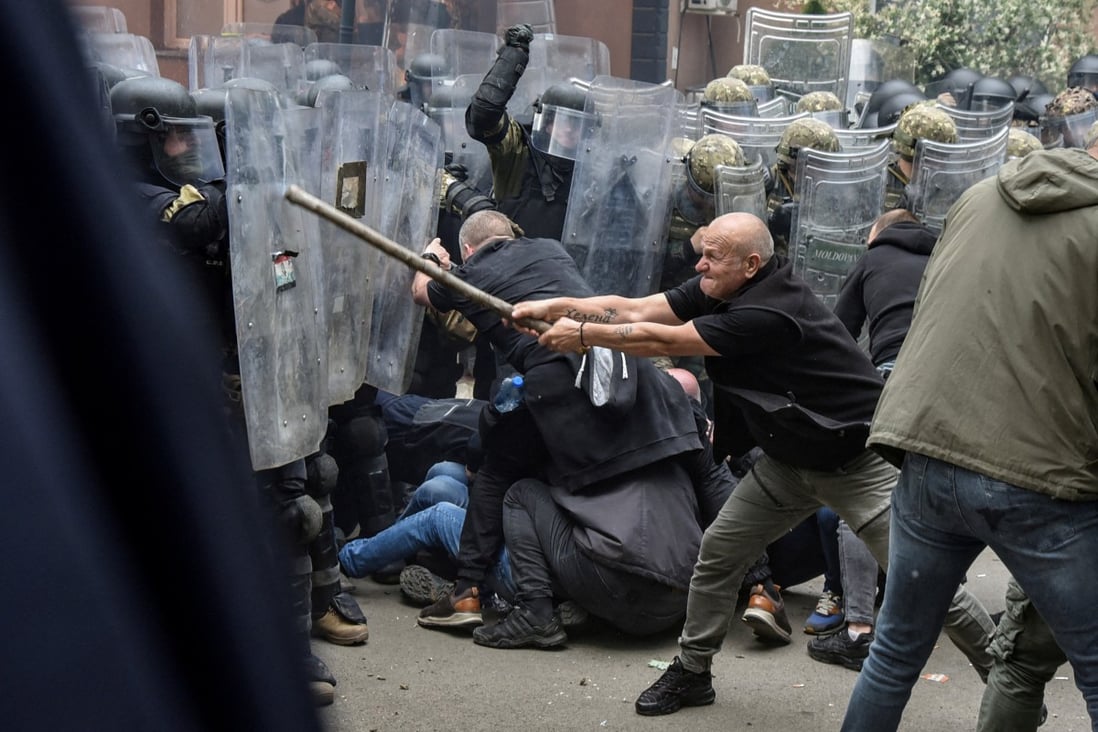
998 371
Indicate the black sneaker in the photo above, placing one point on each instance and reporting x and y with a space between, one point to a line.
521 629
453 611
676 688
840 649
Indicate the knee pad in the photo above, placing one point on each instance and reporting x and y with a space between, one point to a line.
302 519
322 473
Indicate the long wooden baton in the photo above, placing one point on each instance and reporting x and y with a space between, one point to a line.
299 196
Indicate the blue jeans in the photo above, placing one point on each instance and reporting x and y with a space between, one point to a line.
943 517
432 522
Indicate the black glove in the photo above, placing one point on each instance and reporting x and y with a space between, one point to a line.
781 219
519 36
459 171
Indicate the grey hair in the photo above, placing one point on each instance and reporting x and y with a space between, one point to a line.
482 226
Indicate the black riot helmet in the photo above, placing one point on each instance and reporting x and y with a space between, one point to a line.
328 84
893 107
157 122
885 91
1084 73
560 121
318 68
1026 86
421 75
990 93
956 83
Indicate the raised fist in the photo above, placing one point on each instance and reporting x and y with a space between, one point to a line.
519 36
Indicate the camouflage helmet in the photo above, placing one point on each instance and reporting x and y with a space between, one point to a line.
1020 143
922 122
819 101
726 90
709 152
1071 101
750 74
806 132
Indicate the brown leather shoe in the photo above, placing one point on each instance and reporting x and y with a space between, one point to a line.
453 611
766 616
334 628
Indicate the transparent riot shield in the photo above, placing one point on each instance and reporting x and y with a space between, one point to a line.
464 51
353 125
98 19
979 124
216 60
277 277
409 25
776 107
127 51
944 171
555 59
873 61
402 204
802 53
839 197
447 108
369 67
742 189
619 206
758 136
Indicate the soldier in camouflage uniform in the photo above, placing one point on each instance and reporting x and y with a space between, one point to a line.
920 121
756 78
1068 117
807 132
730 96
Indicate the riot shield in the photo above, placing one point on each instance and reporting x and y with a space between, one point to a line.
619 206
369 67
401 204
277 270
218 59
353 124
447 108
979 124
741 190
410 23
465 52
555 59
944 171
802 53
839 197
873 61
776 107
98 19
758 136
127 51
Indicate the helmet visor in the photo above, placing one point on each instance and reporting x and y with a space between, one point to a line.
559 131
186 151
1073 128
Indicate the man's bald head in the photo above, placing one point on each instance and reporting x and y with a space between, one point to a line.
687 381
742 234
485 225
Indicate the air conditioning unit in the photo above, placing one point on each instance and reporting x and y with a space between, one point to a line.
713 7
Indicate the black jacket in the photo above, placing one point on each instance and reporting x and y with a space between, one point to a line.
883 285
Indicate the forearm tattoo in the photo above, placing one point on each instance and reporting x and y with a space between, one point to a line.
623 331
608 316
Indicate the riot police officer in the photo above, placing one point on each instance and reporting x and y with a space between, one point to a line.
920 121
531 169
729 95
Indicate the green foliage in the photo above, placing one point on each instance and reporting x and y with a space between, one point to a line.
995 37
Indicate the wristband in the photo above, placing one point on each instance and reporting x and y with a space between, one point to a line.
432 257
582 344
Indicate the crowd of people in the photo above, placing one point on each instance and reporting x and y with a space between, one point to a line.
676 459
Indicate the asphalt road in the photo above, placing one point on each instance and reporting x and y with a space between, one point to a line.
412 678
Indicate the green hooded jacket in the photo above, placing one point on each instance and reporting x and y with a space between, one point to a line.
998 371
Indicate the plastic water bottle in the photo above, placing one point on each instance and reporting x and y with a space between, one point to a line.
509 396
